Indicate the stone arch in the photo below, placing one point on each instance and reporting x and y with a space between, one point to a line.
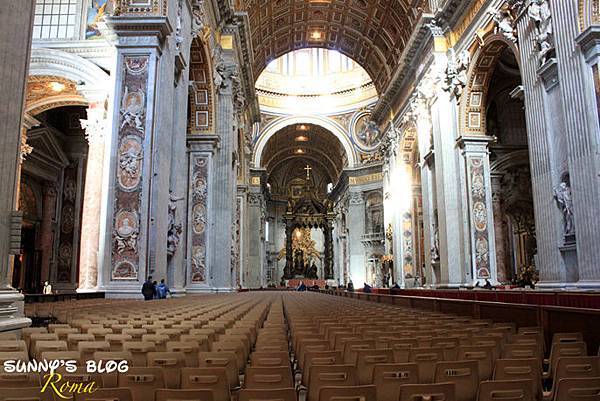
81 78
473 103
201 94
278 124
589 13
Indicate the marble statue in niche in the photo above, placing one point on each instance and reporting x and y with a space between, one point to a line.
198 264
175 229
435 246
126 231
133 109
564 199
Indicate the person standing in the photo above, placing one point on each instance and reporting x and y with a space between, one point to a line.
162 290
148 289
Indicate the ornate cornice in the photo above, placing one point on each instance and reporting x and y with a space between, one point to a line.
419 38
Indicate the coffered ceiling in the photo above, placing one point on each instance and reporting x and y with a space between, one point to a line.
372 32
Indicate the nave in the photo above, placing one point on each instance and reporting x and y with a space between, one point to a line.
291 346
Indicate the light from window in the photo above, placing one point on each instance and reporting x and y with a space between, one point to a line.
54 19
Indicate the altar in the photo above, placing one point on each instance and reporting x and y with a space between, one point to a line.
301 257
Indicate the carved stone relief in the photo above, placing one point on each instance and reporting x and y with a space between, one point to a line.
479 217
129 171
199 190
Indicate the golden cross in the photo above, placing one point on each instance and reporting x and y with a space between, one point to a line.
308 169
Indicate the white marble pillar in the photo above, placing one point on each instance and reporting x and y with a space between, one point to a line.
448 190
583 134
481 218
135 226
356 229
224 176
16 20
96 126
542 112
254 276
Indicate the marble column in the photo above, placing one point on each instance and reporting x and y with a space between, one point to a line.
16 26
135 226
95 130
50 194
503 266
542 100
256 204
481 218
580 106
356 229
224 178
448 202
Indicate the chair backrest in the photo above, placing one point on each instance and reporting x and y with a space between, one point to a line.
42 346
234 346
13 356
25 394
577 367
159 340
401 348
63 355
171 363
264 378
568 349
106 394
427 392
214 379
270 359
14 380
352 346
567 338
522 351
389 377
367 359
579 389
464 375
87 348
520 369
480 353
75 338
226 360
142 381
139 351
319 358
189 349
330 376
12 345
353 393
426 358
180 395
286 394
506 390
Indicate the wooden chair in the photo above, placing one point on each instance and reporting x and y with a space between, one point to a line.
578 389
464 375
424 392
330 376
226 360
25 394
180 395
214 379
520 369
171 363
286 394
106 394
143 382
265 378
426 358
389 377
359 393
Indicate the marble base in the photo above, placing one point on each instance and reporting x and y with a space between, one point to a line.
12 311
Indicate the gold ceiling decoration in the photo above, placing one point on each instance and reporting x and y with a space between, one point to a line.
374 34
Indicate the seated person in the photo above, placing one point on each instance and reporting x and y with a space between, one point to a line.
367 289
302 286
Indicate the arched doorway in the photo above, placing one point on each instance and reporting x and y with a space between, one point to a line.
492 113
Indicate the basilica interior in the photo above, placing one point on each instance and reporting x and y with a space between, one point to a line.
427 148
